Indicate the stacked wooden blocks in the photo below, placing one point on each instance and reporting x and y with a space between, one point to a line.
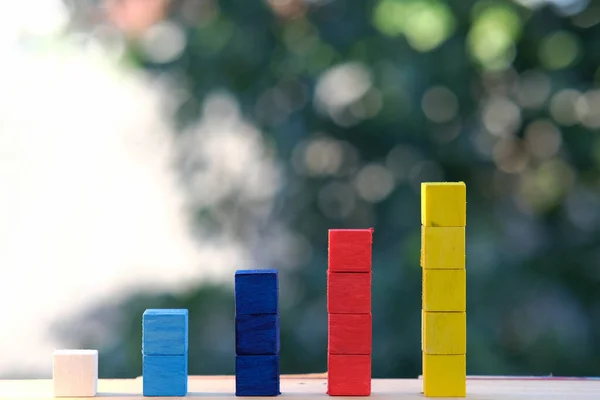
75 373
443 219
165 352
257 333
349 311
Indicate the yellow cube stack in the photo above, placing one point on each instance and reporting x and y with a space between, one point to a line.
444 319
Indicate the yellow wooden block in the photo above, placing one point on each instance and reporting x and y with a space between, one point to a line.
443 204
444 376
444 333
445 290
442 247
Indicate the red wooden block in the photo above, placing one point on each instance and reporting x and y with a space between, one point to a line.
350 250
350 334
348 292
349 375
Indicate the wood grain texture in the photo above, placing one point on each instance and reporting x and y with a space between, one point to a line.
443 247
444 376
165 375
349 292
350 250
314 387
350 334
443 204
75 373
349 375
256 292
165 332
444 333
444 290
257 334
257 376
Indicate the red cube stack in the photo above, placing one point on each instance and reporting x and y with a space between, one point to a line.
349 310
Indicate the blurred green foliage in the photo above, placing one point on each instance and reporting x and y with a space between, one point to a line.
361 101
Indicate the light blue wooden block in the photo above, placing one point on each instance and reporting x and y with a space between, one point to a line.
165 375
165 332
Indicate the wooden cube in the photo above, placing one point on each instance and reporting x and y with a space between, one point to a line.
257 291
444 204
350 250
443 247
165 376
75 373
257 334
257 375
350 334
444 333
348 292
444 290
165 332
349 375
444 376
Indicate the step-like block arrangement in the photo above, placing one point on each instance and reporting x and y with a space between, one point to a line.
165 352
75 373
350 340
444 326
257 333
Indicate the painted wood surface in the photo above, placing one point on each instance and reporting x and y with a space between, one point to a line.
443 247
444 290
257 334
165 375
165 332
349 375
350 333
75 373
256 292
350 250
443 204
444 333
349 292
257 375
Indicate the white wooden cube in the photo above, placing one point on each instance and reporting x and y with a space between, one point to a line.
75 373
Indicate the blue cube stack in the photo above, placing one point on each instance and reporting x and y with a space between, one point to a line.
257 333
165 352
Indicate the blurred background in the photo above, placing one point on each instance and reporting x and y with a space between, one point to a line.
148 148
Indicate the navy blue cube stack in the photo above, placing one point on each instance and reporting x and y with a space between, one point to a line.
165 352
257 333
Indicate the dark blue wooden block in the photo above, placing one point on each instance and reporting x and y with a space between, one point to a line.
165 375
257 375
257 334
165 332
256 292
